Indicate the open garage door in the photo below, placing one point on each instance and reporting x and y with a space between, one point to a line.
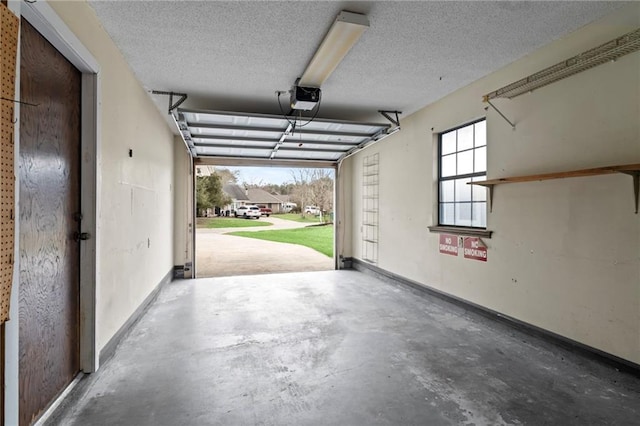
225 138
272 138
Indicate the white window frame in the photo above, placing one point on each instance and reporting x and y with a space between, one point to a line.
481 175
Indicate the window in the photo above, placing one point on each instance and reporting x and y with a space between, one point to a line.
463 158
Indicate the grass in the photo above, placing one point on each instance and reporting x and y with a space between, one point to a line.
228 222
308 218
319 238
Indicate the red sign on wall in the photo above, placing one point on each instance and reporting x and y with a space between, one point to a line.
449 244
475 249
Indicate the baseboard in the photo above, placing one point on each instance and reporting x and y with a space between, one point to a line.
110 348
530 329
54 406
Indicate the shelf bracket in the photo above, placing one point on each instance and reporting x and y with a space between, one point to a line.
635 174
490 188
513 126
172 105
395 121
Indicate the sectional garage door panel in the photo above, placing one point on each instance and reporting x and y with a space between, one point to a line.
222 134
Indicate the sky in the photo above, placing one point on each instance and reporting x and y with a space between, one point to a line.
254 175
264 175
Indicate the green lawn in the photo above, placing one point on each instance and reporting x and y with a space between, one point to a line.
308 218
319 238
229 222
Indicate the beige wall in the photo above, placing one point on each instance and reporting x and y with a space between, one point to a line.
564 255
135 222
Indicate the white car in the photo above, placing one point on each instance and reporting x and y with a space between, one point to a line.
248 212
288 207
312 210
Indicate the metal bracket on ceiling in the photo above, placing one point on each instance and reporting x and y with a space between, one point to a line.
183 128
172 105
513 126
386 115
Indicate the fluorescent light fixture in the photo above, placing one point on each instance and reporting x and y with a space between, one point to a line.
343 34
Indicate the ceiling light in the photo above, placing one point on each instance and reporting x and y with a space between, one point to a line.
343 34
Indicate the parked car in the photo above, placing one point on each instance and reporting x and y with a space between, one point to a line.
289 207
265 211
312 210
248 212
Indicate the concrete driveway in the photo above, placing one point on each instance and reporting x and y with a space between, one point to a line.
219 255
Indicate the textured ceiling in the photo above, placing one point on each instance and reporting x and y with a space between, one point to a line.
235 55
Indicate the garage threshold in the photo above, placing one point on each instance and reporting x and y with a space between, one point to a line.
338 347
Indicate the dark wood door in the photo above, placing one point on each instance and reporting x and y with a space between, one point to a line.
49 198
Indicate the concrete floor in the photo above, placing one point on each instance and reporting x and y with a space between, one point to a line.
219 255
338 348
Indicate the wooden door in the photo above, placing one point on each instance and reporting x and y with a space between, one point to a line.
49 200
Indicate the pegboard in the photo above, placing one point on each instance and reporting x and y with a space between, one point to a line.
9 25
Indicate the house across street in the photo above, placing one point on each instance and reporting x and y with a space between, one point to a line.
255 196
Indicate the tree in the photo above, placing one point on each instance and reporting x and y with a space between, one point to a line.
254 183
313 187
227 176
209 193
282 189
301 179
321 190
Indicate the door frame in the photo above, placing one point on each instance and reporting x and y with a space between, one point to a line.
48 23
338 226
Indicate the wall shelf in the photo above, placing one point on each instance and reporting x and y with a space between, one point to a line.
607 52
632 170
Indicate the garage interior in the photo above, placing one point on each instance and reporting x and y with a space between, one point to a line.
487 246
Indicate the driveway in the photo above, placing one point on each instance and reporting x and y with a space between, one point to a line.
219 255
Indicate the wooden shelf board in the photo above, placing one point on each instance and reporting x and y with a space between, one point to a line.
629 169
560 175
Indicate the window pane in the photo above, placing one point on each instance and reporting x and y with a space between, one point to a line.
448 143
463 152
479 193
449 165
463 191
465 162
480 159
479 215
465 138
447 190
447 214
463 214
481 133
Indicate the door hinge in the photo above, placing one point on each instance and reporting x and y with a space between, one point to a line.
81 236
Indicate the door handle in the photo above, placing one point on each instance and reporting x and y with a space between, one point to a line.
79 236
